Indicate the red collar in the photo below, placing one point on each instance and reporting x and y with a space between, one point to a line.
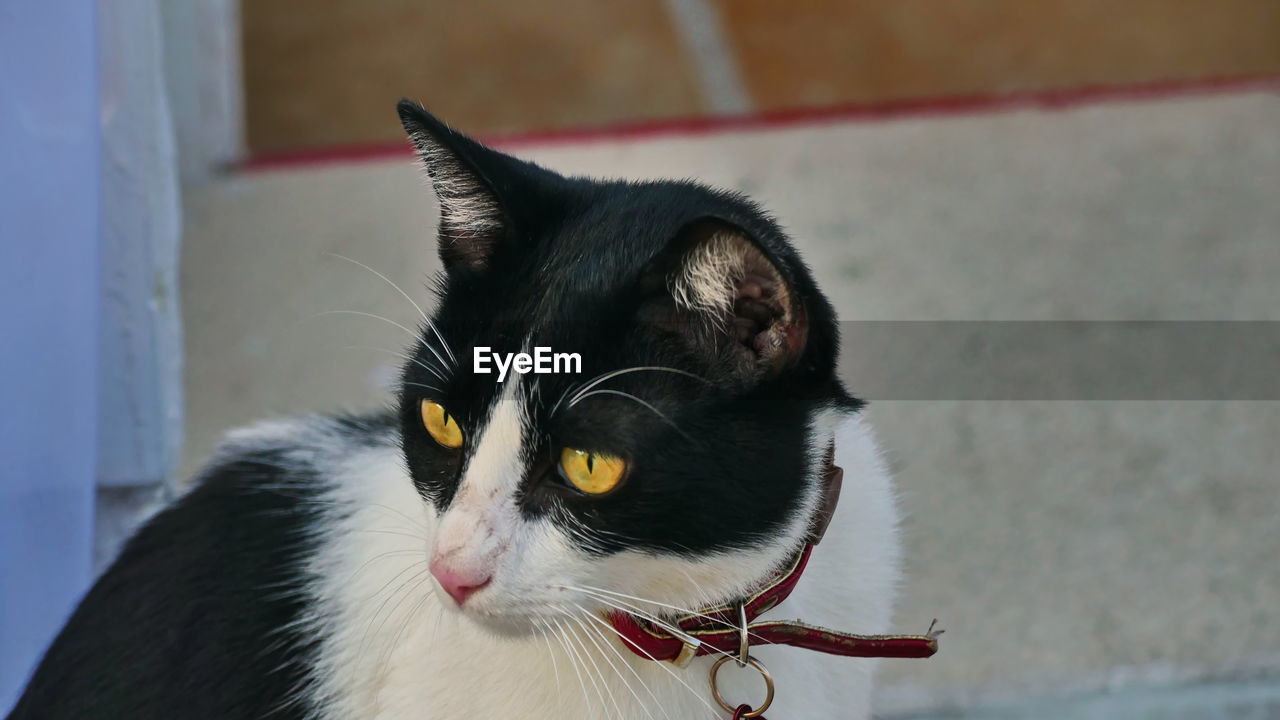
718 629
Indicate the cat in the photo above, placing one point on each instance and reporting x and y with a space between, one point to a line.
456 555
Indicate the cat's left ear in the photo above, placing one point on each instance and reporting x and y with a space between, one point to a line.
465 176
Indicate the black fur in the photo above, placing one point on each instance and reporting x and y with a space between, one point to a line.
570 268
193 619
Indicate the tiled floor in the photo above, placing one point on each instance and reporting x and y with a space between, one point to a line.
1069 548
325 72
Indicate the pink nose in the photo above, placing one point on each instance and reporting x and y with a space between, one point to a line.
460 584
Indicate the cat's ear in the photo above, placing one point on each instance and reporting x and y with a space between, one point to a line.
472 217
731 301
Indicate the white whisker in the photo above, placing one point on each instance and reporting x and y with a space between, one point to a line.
633 609
411 333
573 645
670 672
444 343
643 684
429 368
642 368
629 396
601 594
393 532
395 640
559 638
593 633
595 664
369 563
555 665
369 634
581 388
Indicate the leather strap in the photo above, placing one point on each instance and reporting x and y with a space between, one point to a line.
832 483
716 630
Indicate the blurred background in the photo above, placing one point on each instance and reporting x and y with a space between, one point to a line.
181 177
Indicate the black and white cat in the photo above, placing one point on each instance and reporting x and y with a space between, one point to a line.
455 557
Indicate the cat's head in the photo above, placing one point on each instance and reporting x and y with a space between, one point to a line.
673 451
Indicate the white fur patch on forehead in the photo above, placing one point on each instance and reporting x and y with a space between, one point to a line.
497 464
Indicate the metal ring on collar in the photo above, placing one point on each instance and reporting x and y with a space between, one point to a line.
764 673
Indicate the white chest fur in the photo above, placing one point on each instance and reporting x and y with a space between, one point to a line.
394 651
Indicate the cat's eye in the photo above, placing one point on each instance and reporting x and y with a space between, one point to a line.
592 473
442 427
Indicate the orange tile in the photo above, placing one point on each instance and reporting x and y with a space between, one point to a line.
324 72
823 52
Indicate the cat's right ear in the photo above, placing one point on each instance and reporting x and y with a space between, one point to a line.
723 294
473 220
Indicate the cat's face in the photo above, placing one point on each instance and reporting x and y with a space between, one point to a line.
679 463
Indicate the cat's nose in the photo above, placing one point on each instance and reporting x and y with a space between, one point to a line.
459 583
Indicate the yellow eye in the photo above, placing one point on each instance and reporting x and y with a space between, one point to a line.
592 473
443 428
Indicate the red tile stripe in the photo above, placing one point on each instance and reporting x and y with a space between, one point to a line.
798 117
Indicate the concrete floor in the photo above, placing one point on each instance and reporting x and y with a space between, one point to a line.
1079 554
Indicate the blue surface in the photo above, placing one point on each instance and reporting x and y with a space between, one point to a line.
49 282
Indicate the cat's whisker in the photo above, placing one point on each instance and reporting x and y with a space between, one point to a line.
397 638
653 618
601 593
629 396
570 389
618 653
594 633
429 368
636 539
627 607
370 597
419 576
634 609
380 556
582 646
435 628
670 672
602 643
279 489
422 385
640 368
393 532
576 528
375 316
573 645
559 638
432 326
418 582
415 522
388 320
555 665
603 681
